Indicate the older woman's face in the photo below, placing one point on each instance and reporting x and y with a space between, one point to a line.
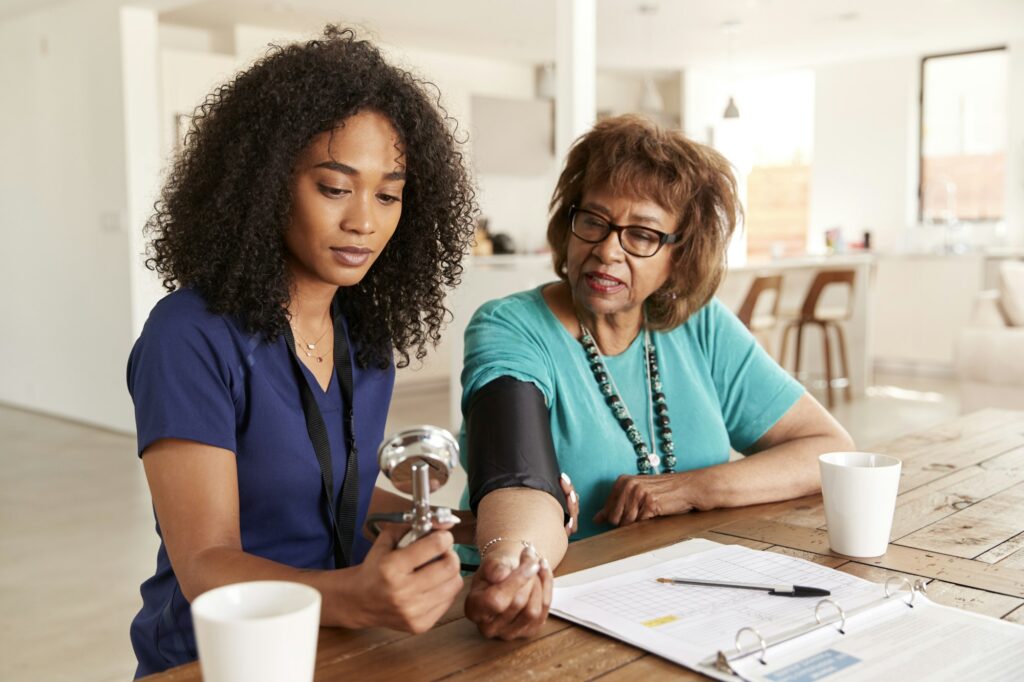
606 280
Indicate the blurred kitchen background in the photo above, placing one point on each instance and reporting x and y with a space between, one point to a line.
879 146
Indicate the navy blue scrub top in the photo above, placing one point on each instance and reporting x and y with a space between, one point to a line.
198 376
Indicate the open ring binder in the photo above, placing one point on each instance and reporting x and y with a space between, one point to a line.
723 659
760 639
834 604
886 631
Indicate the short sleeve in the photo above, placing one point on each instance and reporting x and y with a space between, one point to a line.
180 381
503 339
754 391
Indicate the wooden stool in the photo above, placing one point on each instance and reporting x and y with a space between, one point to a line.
764 321
826 318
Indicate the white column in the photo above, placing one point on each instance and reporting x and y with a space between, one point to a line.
1014 211
140 103
575 72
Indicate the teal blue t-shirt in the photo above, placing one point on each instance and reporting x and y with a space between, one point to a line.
722 389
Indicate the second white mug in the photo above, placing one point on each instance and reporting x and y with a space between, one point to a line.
262 631
859 489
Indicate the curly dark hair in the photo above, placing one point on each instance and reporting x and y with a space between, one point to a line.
219 224
634 156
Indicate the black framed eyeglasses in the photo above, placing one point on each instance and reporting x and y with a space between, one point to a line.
642 242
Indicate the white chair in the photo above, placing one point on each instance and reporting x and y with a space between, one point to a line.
990 350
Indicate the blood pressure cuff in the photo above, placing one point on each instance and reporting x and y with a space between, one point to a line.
508 435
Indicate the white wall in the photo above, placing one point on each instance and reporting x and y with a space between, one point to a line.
1015 147
186 77
864 174
65 266
516 205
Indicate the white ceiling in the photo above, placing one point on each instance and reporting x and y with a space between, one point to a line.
764 34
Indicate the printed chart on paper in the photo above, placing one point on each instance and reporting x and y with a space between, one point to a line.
693 622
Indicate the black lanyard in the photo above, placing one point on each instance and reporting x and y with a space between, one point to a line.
343 516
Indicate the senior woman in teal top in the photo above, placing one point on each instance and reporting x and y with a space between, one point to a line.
645 382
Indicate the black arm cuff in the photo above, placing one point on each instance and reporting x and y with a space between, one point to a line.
508 434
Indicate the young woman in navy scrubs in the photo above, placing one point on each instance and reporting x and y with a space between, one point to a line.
308 232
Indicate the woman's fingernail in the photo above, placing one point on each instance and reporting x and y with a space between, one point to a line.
573 497
570 524
533 568
565 477
545 564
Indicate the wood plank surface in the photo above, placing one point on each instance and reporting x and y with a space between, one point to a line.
994 578
959 525
650 669
941 592
975 529
824 560
1015 616
573 653
1009 553
956 492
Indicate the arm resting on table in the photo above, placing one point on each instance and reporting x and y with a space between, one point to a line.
784 467
786 461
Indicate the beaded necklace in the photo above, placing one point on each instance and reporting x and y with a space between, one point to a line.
647 460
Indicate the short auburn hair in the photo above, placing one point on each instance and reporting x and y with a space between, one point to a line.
632 156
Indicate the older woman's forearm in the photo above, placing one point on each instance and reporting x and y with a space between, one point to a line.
781 472
521 515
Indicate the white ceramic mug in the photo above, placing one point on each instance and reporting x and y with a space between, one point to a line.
264 631
859 489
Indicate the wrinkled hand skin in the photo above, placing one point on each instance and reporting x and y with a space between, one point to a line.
509 602
638 498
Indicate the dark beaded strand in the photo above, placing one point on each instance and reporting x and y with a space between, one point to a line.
646 461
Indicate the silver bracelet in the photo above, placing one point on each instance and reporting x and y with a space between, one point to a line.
493 541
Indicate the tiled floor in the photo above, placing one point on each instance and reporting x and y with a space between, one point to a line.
76 528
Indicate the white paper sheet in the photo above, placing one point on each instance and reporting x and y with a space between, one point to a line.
689 624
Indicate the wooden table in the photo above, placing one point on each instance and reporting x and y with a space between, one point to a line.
959 524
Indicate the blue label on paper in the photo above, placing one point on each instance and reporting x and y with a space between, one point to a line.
816 667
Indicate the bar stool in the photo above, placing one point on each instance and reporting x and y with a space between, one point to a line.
759 321
826 318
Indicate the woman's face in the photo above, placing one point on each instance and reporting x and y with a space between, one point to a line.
346 200
605 280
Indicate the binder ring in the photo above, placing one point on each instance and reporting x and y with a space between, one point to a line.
897 579
834 604
914 588
760 640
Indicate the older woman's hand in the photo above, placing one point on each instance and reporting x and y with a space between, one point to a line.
572 525
637 498
509 602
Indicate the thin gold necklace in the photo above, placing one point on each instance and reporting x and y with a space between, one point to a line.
306 347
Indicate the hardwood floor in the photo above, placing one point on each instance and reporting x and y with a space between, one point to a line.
77 539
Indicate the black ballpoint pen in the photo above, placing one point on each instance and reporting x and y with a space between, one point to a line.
777 590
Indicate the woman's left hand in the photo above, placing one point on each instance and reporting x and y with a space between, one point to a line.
509 596
573 500
637 498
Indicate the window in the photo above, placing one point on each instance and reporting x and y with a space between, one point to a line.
963 137
778 112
